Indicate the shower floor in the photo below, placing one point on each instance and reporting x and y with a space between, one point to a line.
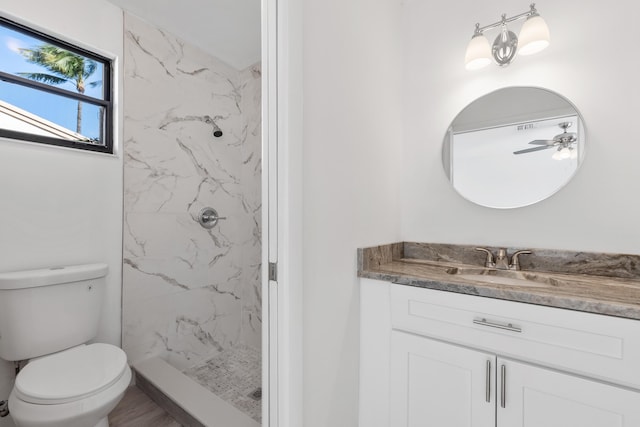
235 375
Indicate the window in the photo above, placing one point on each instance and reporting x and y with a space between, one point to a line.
52 92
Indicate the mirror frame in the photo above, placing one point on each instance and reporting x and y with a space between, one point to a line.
582 139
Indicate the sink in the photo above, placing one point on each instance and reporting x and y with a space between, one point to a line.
501 277
497 276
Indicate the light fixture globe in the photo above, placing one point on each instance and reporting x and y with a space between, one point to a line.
534 36
574 153
478 53
565 153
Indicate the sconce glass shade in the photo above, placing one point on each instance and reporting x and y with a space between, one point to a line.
534 36
478 53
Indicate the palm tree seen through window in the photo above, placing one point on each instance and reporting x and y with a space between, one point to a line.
64 67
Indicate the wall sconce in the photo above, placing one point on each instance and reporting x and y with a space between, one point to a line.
534 37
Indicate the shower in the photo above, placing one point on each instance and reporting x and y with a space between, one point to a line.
192 297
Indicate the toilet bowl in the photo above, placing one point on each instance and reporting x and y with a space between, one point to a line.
77 387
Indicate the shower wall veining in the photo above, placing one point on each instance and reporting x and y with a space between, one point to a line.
188 292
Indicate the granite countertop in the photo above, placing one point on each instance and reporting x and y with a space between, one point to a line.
598 283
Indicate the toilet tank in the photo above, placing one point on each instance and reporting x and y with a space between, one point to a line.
48 310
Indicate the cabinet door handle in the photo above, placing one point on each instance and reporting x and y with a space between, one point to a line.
503 386
488 380
505 326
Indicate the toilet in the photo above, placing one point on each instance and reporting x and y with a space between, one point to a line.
47 316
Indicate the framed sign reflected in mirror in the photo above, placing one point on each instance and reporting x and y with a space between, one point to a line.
514 147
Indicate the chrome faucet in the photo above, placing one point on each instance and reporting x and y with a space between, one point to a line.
501 260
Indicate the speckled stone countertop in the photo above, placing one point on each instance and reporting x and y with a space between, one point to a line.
592 282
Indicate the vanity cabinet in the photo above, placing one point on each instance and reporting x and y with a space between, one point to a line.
433 383
435 358
439 384
538 397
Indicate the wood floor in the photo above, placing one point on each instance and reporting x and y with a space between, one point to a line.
137 410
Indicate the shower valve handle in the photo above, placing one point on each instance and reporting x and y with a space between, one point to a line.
209 217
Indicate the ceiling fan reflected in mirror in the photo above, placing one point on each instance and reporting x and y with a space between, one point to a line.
563 142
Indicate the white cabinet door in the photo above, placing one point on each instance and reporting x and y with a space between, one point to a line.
538 397
434 384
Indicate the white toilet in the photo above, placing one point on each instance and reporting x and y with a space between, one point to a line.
46 317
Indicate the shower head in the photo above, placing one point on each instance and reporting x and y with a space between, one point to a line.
217 132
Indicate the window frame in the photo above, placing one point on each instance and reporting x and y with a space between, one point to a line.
106 103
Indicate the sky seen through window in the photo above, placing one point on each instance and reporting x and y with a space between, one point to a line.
57 109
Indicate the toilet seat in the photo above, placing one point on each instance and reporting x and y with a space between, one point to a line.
70 375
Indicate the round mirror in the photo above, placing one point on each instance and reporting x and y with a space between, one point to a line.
513 147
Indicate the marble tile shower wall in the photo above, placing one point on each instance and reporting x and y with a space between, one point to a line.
189 293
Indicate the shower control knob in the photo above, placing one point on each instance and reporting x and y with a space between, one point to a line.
209 217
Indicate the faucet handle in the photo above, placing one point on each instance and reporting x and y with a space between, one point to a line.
490 263
515 260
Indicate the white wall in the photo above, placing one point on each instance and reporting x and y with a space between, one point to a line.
588 61
62 206
351 152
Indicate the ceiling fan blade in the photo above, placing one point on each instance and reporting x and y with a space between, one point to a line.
543 142
531 150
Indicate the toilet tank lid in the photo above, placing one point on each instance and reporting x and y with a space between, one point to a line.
51 276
